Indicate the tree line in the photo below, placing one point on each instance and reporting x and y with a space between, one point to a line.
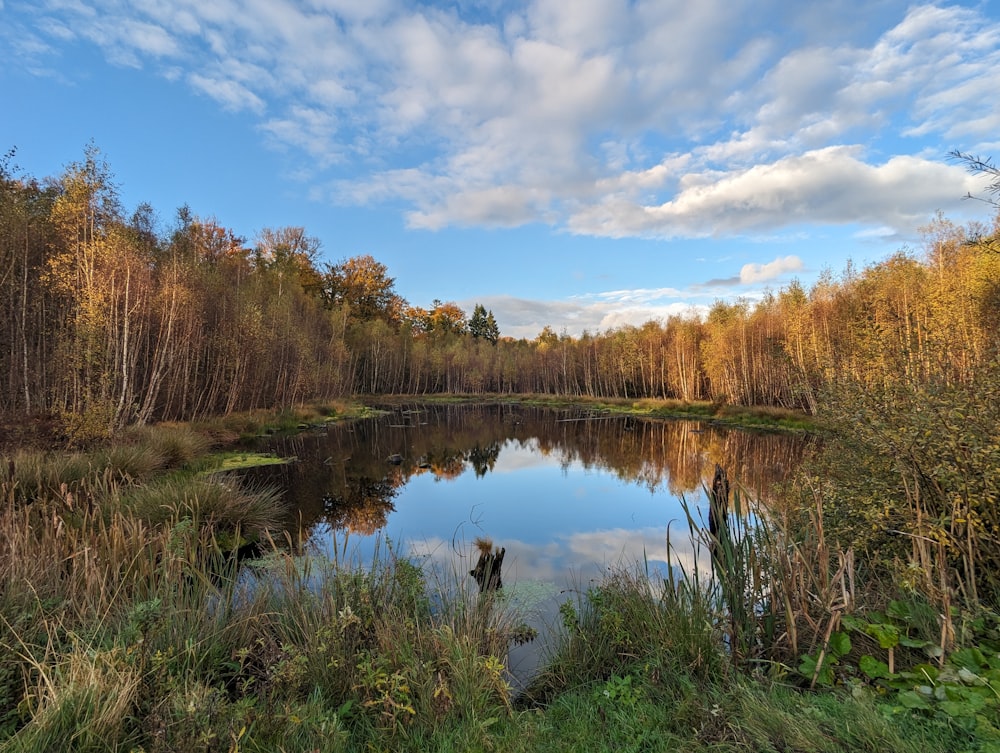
108 321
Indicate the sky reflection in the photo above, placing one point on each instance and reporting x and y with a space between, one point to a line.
569 497
558 521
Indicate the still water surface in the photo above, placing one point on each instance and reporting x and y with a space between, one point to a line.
568 493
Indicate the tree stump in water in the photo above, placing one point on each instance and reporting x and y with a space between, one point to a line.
488 571
718 506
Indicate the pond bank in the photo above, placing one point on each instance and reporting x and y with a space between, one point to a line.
764 418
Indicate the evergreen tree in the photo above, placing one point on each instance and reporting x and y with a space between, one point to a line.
482 324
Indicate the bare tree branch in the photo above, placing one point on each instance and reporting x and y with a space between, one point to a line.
980 166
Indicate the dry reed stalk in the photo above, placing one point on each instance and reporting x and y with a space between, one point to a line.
834 621
947 622
811 595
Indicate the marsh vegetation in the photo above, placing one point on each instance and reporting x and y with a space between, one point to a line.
857 610
130 623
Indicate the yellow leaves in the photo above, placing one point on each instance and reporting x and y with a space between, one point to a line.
364 285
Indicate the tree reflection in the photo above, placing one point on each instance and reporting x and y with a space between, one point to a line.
342 478
483 459
364 509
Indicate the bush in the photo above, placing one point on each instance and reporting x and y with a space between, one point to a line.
912 476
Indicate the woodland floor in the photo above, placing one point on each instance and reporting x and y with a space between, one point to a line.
31 432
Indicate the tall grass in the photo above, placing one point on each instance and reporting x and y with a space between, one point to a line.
82 701
136 630
177 446
224 504
665 625
136 457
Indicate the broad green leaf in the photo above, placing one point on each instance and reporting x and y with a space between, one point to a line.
971 659
851 622
970 678
807 666
955 708
925 673
886 635
840 644
933 650
873 668
913 700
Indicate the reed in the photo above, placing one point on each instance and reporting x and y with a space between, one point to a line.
632 619
28 475
367 638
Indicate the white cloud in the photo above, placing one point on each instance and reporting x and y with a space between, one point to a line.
57 29
524 318
148 38
614 118
230 94
754 273
639 295
332 93
353 11
77 7
310 129
830 186
499 206
636 316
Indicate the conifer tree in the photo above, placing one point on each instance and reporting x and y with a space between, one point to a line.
483 324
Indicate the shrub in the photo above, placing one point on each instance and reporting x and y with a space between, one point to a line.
912 476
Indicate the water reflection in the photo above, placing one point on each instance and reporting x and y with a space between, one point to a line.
570 487
567 493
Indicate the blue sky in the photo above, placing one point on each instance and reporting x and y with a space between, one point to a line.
579 164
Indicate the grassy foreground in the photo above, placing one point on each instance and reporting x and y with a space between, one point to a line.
127 624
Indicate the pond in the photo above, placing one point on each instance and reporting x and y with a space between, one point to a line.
568 493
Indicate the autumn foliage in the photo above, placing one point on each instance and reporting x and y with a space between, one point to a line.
109 319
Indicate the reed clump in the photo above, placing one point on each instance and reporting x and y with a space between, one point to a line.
630 620
176 445
222 503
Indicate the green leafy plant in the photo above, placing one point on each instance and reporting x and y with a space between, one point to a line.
619 692
892 629
818 666
962 688
965 691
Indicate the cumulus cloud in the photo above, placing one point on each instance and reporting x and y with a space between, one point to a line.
754 273
525 318
612 118
833 185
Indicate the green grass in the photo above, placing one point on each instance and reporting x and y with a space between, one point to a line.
157 655
235 461
179 445
220 502
245 427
